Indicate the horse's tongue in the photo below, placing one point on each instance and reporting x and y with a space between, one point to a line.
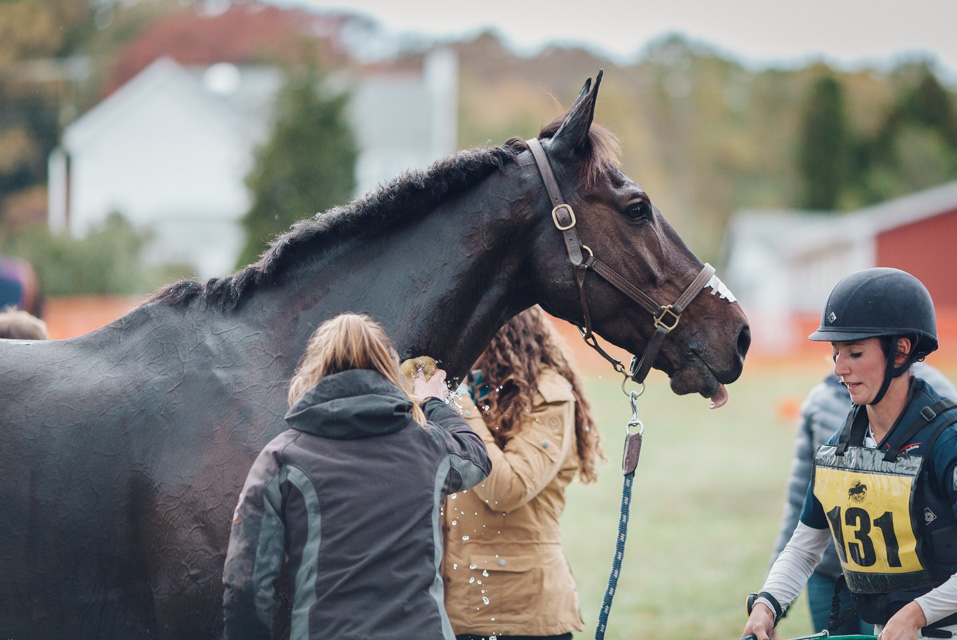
719 399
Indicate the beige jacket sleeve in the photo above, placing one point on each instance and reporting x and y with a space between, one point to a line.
532 459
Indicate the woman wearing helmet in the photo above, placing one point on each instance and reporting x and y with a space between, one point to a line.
884 488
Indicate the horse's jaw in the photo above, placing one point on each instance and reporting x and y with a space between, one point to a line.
698 373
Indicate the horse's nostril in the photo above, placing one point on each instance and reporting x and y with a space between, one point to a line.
744 341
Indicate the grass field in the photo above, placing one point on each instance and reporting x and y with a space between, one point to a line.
707 502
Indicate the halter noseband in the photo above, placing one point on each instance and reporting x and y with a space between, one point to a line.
665 317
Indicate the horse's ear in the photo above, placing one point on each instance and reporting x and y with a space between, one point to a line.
572 136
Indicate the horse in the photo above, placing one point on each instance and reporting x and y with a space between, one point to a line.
123 451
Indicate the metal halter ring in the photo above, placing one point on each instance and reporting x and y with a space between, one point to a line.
571 212
628 393
659 319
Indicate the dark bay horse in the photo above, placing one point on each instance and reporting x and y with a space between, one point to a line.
122 452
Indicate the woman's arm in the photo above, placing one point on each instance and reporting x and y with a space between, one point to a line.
787 578
469 459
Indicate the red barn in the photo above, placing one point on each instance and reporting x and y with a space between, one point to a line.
782 264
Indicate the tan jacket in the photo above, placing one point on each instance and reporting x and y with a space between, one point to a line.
504 570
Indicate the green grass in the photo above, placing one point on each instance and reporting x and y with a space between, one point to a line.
707 502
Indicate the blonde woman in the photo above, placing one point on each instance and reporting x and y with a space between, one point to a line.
346 502
505 573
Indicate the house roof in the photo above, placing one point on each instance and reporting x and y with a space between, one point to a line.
243 34
164 74
911 208
795 232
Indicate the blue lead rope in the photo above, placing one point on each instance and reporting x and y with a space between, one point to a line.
619 556
628 464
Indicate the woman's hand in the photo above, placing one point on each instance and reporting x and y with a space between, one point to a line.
433 387
760 622
905 624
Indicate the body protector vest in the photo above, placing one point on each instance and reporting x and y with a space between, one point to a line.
894 528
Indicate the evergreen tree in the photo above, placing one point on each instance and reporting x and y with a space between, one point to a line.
825 153
930 105
308 164
916 145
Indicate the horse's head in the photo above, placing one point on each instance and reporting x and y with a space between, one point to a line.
611 262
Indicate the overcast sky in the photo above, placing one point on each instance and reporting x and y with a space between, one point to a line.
844 32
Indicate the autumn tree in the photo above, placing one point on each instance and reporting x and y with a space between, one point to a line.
307 165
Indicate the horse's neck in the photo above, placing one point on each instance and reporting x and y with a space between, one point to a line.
440 284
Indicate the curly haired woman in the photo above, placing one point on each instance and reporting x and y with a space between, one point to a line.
505 573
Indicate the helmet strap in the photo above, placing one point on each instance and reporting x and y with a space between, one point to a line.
892 371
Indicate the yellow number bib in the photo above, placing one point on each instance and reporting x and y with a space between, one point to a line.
867 502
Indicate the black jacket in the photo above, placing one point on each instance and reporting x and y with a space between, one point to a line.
348 500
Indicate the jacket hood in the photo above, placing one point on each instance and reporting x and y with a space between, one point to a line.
359 403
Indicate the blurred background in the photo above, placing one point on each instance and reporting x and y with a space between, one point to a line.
144 141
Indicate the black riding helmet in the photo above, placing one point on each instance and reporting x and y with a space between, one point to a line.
881 302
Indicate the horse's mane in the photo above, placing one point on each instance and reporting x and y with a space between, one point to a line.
413 191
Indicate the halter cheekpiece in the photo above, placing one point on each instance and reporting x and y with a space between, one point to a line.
665 317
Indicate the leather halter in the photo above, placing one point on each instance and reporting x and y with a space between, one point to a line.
665 317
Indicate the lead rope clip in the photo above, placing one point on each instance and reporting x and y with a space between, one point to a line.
633 431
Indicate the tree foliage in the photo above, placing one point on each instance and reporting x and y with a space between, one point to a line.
825 152
30 99
106 261
914 146
307 165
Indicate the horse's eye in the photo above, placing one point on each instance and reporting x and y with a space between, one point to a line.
639 210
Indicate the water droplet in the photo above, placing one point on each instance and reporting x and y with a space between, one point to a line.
484 599
465 537
455 522
453 496
484 573
455 565
473 566
472 579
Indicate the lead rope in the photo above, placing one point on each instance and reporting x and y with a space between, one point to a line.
629 461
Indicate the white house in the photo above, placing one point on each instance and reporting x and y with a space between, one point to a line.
170 150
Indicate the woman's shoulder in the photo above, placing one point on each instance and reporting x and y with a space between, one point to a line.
553 387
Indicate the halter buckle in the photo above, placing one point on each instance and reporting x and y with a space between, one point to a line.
571 213
660 319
